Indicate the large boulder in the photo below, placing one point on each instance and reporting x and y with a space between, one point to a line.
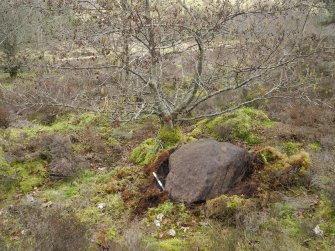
205 169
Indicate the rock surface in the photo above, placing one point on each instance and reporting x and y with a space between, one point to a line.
205 169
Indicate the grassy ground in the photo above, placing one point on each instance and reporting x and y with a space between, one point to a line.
102 203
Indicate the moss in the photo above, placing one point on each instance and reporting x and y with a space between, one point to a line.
170 137
292 226
316 147
66 123
241 124
302 160
30 183
326 212
3 163
226 206
112 142
285 216
174 216
71 122
166 209
200 128
91 214
188 138
254 113
145 152
282 170
29 174
111 234
291 148
70 191
173 244
270 154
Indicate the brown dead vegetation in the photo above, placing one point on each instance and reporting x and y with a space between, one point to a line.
4 117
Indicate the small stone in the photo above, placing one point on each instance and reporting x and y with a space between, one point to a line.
157 223
160 217
317 230
30 198
47 204
101 205
172 232
185 229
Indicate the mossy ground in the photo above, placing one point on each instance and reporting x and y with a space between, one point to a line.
104 195
244 124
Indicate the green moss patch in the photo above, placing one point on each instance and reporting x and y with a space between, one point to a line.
226 207
23 175
326 214
169 216
316 147
173 244
170 137
291 148
30 174
242 124
145 152
281 169
166 139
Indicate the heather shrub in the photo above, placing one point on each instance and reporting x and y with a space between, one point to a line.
54 149
53 229
4 117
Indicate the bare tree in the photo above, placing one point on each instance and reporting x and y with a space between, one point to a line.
330 6
168 58
183 53
17 32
